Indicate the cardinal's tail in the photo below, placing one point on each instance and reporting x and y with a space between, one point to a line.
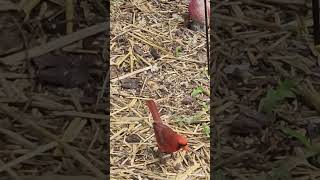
154 111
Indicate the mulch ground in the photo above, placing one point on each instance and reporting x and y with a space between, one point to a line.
266 96
52 97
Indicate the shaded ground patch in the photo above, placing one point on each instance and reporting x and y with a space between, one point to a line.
267 80
52 97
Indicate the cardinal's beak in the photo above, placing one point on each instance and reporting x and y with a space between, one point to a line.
186 148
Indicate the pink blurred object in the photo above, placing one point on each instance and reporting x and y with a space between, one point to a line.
196 11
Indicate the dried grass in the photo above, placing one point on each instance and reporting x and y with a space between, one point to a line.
137 27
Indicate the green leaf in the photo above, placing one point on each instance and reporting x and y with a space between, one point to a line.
178 50
274 97
197 91
303 139
269 102
205 106
206 130
280 173
285 89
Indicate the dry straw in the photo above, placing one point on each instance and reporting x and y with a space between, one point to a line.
138 30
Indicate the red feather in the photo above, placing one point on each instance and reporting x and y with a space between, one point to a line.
168 141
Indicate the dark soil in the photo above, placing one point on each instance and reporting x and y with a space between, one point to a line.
266 90
53 98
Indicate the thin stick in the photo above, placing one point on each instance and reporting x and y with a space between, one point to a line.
130 74
207 34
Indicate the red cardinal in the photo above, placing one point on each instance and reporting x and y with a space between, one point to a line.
168 140
196 11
